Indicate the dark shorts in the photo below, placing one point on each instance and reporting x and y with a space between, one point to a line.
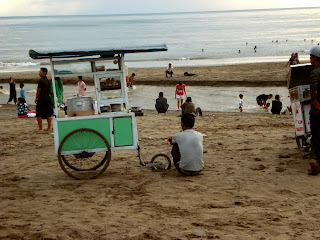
259 101
44 109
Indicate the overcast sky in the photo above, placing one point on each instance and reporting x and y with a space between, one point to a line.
72 7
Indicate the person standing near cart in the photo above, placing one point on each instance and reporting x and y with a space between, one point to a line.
315 110
43 100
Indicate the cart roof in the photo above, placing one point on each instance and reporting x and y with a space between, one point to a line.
103 52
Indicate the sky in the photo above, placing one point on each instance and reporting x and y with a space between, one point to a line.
88 7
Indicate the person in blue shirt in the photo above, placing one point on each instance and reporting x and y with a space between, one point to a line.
22 94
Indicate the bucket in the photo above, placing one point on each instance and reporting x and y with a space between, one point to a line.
116 107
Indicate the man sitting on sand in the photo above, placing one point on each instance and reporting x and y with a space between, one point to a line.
262 99
161 104
276 105
189 107
187 149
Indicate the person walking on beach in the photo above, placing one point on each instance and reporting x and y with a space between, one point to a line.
240 102
262 99
315 110
187 149
180 93
43 100
169 70
13 92
161 104
81 86
276 105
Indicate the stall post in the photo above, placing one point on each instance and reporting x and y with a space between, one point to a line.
53 82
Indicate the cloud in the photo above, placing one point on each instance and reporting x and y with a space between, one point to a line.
70 7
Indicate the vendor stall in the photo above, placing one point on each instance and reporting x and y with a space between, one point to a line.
93 127
299 90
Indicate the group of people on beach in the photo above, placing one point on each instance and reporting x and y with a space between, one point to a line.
187 150
44 99
262 99
162 105
23 108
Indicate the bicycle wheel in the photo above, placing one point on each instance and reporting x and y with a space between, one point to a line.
163 159
84 153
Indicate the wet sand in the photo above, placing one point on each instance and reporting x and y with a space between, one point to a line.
254 185
256 74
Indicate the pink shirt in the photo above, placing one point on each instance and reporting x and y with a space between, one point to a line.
180 89
81 88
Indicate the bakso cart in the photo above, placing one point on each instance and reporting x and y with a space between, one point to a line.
300 98
94 126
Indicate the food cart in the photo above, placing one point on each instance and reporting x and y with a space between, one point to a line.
93 128
300 98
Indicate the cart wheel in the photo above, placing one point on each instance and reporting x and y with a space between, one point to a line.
84 164
300 142
161 158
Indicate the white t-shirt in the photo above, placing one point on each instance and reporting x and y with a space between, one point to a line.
240 102
191 149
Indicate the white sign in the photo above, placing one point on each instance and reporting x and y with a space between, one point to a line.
298 118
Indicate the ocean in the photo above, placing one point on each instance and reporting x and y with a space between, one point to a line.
193 39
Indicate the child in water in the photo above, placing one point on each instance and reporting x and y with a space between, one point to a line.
240 102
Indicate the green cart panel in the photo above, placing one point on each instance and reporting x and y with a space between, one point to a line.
122 131
100 125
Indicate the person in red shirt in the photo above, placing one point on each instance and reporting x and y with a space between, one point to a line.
180 93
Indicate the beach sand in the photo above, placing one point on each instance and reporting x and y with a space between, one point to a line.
255 74
254 185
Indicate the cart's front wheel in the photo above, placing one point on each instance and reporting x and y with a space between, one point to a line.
84 153
163 160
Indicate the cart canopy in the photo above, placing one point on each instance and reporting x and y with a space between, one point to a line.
300 75
102 52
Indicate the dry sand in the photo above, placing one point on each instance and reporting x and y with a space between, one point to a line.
256 74
254 185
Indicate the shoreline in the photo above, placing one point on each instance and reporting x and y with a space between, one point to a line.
248 74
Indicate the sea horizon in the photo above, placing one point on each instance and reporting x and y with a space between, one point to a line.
205 38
